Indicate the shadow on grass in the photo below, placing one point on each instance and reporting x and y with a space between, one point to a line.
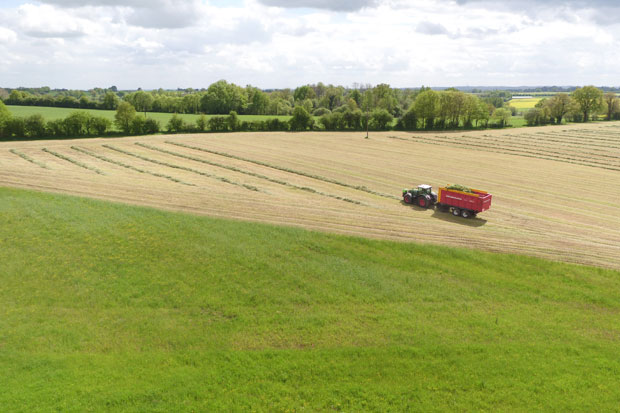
447 216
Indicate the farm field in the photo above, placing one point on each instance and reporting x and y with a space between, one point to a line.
111 307
163 118
525 103
555 188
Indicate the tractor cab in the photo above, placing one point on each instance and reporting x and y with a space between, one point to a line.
424 189
422 196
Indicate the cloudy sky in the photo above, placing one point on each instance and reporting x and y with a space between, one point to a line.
286 43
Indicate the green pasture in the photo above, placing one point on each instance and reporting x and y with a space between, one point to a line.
59 113
107 307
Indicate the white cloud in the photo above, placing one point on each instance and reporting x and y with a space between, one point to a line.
165 43
47 21
7 36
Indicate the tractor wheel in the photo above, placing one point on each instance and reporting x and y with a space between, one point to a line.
456 212
465 214
407 198
423 202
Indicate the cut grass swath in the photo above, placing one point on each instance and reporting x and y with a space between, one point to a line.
28 158
529 154
254 174
133 168
183 168
292 171
73 161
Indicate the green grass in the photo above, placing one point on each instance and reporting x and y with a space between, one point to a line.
106 307
163 118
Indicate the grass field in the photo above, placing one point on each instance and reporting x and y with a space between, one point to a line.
555 188
107 307
163 118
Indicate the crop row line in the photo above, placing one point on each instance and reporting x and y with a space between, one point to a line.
73 161
553 138
183 168
544 148
28 158
517 150
254 174
131 167
584 136
508 152
292 171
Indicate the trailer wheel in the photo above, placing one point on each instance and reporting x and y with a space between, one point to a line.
456 212
465 213
407 198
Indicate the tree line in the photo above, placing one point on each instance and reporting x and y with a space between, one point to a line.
582 105
365 108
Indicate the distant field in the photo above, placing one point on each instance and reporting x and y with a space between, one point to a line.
59 113
163 118
108 307
527 103
555 188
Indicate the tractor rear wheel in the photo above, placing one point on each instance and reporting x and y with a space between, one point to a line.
407 198
456 212
423 202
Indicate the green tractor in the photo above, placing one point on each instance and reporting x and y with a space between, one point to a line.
422 196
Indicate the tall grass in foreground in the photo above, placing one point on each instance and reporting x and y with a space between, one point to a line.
106 307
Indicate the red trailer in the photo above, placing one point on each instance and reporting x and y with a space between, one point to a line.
465 204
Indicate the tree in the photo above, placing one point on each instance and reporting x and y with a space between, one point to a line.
76 124
501 116
5 116
35 126
426 105
409 120
611 100
222 97
151 126
589 99
381 119
125 113
557 106
304 92
258 101
98 125
110 101
141 100
233 121
301 119
201 123
175 124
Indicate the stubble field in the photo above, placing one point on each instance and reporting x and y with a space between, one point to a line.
556 192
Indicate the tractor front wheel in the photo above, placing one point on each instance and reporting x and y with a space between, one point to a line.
407 198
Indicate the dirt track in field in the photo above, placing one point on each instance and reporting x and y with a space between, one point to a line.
556 190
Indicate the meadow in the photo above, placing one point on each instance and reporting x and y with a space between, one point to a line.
60 113
109 307
555 188
50 113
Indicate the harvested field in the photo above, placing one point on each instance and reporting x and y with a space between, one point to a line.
556 192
